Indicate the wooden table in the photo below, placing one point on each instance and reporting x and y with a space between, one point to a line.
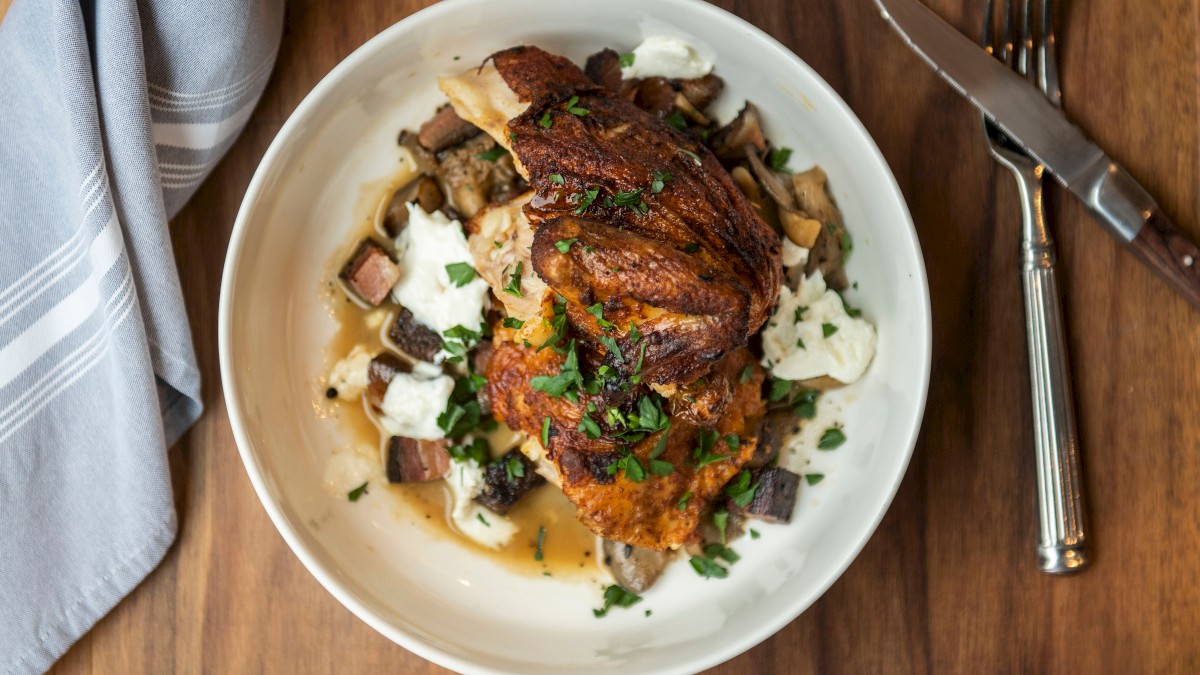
949 582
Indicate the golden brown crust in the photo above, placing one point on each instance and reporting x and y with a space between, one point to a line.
641 513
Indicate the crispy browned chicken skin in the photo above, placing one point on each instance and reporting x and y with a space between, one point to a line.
692 265
634 216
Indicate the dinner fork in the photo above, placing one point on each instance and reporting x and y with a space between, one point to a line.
1062 538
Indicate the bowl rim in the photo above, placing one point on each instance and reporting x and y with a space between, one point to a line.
412 643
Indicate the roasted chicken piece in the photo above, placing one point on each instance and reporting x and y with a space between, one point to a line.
664 239
644 512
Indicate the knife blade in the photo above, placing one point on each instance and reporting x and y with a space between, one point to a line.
1113 196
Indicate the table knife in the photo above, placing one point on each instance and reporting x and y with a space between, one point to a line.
1118 201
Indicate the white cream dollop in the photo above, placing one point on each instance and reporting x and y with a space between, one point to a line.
793 254
349 376
473 520
412 404
427 244
667 56
844 355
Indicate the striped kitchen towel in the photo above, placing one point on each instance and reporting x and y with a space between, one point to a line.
111 114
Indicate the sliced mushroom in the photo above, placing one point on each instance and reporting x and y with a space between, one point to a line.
634 568
472 177
745 129
445 129
424 160
702 91
655 95
775 186
604 67
424 191
766 207
827 255
812 196
683 105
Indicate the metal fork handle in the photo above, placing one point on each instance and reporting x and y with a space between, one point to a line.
1062 537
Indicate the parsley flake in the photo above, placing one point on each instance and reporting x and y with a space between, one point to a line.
831 439
615 596
813 478
546 121
512 322
828 329
460 273
357 492
514 281
564 245
493 154
626 59
683 501
778 158
574 109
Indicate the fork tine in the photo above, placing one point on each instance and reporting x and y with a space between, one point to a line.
1006 42
988 41
1048 56
1025 45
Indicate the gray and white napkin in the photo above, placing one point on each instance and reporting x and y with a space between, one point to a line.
111 114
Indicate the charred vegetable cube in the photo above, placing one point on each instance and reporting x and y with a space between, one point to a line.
371 273
413 337
506 480
410 460
380 372
774 496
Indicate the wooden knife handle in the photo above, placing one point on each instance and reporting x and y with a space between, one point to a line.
1169 253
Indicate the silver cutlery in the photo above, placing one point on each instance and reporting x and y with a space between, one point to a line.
1032 122
1062 538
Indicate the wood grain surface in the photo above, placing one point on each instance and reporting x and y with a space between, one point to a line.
949 582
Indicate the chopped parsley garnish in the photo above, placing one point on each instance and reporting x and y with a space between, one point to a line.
676 120
546 121
497 244
650 416
847 245
850 311
477 450
574 109
804 405
828 329
813 478
732 441
637 369
683 501
556 178
514 281
546 432
689 153
778 158
703 454
657 466
741 490
541 541
588 426
714 551
629 199
630 465
721 521
831 439
691 247
626 59
597 310
754 533
493 154
567 379
558 323
514 468
799 314
564 245
659 182
707 568
460 273
459 418
589 196
779 390
613 348
483 520
459 340
615 596
357 492
747 374
800 344
512 322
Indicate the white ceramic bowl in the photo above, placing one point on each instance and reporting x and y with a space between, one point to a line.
433 596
